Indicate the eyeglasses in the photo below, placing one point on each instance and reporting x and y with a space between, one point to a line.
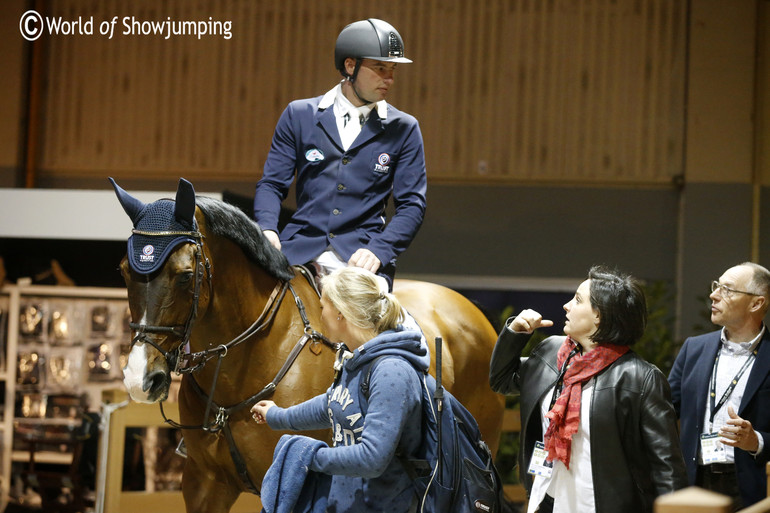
727 291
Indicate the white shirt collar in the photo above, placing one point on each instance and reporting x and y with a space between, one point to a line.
742 347
334 97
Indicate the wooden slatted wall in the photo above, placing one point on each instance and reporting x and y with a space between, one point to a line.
533 91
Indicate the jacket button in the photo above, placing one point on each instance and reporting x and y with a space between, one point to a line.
331 235
336 211
345 160
340 187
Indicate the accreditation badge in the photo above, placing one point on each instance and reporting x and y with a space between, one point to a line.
711 449
538 466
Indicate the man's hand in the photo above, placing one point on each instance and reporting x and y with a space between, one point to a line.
366 259
739 433
528 321
272 238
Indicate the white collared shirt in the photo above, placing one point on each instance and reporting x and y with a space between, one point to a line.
732 356
572 489
350 118
330 260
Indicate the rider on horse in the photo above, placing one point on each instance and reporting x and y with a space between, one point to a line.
351 150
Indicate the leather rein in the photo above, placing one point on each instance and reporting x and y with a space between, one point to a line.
183 362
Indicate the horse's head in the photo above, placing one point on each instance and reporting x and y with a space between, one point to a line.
164 269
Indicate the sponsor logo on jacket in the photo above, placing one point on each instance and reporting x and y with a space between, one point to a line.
383 163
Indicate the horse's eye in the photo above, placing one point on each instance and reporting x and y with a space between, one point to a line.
185 277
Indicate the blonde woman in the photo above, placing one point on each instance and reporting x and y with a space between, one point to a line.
368 432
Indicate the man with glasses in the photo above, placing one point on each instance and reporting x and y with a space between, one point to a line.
350 151
720 383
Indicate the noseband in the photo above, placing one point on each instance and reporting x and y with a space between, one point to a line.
202 267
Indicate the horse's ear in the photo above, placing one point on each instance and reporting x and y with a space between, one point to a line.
184 211
131 205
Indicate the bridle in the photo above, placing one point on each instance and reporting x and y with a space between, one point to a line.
188 363
183 362
202 267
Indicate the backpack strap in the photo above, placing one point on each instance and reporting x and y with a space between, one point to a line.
368 377
365 382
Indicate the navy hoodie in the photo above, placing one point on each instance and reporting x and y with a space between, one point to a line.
366 475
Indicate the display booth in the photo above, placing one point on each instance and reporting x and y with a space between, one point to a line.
63 338
119 415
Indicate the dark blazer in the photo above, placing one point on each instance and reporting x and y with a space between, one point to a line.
635 454
342 195
689 379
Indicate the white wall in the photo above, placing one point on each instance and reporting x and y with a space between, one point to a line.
69 214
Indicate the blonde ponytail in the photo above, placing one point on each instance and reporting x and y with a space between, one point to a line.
390 313
363 298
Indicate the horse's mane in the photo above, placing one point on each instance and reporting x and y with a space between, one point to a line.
230 222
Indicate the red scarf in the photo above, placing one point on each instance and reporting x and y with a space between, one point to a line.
565 414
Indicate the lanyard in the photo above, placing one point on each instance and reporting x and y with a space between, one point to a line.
560 378
730 388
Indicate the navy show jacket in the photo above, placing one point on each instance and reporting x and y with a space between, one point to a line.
342 195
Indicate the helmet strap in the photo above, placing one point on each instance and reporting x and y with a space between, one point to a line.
353 77
355 91
352 80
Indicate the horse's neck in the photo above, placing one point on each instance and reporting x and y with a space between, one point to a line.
240 293
235 304
256 360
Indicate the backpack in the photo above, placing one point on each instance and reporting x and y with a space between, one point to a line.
464 479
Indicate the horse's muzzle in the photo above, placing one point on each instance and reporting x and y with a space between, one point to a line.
156 384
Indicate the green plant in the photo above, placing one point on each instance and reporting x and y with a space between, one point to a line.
705 325
657 345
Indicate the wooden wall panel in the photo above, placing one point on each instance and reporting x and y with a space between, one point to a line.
505 90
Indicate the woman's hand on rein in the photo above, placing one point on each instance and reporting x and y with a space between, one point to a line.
259 411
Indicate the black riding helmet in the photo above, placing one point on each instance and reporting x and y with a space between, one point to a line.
368 39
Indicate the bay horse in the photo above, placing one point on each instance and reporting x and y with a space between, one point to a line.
211 299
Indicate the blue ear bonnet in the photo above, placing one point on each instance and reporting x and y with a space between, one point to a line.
159 227
147 253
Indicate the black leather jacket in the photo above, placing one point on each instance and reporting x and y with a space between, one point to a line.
635 453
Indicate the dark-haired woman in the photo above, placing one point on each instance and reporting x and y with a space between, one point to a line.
598 431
